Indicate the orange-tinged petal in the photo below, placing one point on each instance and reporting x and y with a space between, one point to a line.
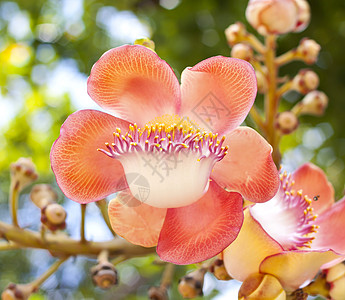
293 268
83 173
251 247
135 84
201 230
331 233
135 221
248 168
218 93
313 181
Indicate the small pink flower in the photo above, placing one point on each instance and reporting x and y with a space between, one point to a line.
160 151
291 236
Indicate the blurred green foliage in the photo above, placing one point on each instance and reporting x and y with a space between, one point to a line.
38 36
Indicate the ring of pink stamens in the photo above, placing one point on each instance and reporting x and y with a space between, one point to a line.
295 200
159 139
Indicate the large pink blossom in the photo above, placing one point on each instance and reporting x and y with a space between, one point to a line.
291 236
171 172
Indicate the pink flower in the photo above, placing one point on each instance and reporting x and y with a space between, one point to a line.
166 158
291 236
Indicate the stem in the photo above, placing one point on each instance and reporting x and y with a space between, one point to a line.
288 57
253 41
255 115
66 246
118 259
168 275
8 246
103 207
14 194
53 268
82 225
284 88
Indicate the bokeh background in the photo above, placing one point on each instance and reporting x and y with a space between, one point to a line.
47 48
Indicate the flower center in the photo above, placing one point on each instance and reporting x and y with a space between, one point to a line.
288 217
171 165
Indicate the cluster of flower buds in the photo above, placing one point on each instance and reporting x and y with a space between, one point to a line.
308 50
261 287
53 215
314 103
278 16
305 81
23 173
286 122
17 292
335 277
190 286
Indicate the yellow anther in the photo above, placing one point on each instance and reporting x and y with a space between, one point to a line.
299 192
107 144
118 130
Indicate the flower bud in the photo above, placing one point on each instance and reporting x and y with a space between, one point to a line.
335 277
308 50
305 81
54 216
261 82
190 286
242 51
272 16
286 122
23 172
104 275
261 287
42 195
146 42
17 292
235 33
219 271
314 103
158 293
303 16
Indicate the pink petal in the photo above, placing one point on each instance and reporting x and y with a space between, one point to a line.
313 181
294 268
201 230
135 221
251 247
135 84
248 168
331 233
218 93
83 173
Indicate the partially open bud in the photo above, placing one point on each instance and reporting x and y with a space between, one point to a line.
303 16
305 81
23 172
335 277
242 51
261 287
158 293
286 122
314 103
104 275
42 195
17 292
190 286
272 16
235 33
308 50
54 216
219 271
146 42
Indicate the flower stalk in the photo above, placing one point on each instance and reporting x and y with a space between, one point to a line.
82 223
103 207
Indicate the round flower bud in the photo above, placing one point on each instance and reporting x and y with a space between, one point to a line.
314 103
303 16
104 275
235 33
219 271
305 81
242 51
42 195
17 292
308 50
158 293
261 82
54 216
190 286
261 287
272 16
23 172
286 122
